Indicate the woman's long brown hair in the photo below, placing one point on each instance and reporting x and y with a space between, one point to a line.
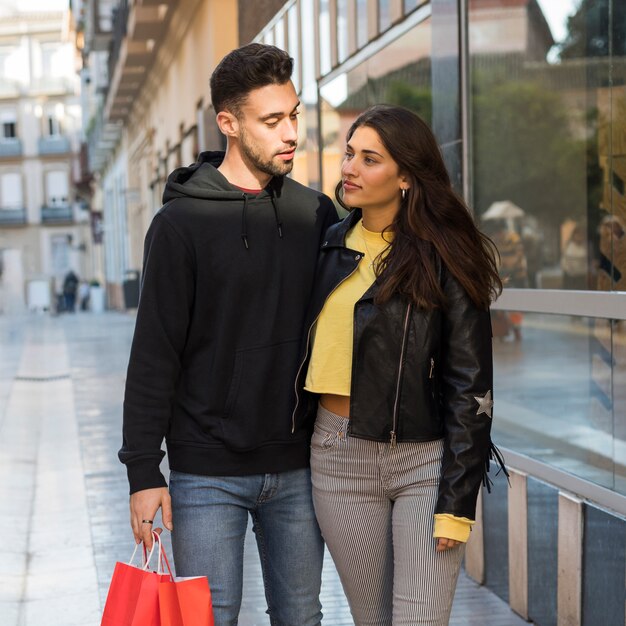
432 220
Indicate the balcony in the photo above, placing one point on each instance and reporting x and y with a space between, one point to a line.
54 144
10 147
12 217
102 137
57 214
138 29
9 88
97 25
52 85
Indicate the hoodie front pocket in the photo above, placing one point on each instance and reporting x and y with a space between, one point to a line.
260 398
235 380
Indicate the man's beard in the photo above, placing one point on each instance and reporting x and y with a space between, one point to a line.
251 155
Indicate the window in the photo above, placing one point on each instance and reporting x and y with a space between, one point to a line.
60 252
361 23
11 192
384 15
51 60
549 137
8 125
279 34
294 44
5 53
398 74
324 34
53 125
57 189
8 130
558 397
548 121
53 119
342 30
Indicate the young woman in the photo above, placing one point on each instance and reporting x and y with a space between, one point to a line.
399 373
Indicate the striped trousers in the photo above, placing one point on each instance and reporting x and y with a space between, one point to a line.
375 507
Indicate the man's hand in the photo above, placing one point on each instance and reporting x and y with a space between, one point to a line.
143 507
444 544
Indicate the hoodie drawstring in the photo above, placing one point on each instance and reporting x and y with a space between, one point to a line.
244 223
279 223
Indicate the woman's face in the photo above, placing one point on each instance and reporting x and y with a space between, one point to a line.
369 176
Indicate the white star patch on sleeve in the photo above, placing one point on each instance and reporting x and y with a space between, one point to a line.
485 404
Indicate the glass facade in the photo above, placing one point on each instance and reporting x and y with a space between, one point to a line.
397 74
554 393
532 125
548 116
548 102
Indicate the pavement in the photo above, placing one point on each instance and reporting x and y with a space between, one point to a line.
64 522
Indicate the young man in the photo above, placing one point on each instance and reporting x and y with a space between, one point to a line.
228 269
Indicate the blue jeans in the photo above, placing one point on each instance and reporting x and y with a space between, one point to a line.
210 515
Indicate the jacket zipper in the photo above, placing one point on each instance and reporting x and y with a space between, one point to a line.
308 338
432 367
396 404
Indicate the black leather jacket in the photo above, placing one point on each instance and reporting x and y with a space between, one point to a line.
417 375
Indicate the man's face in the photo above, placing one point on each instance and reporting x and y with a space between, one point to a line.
268 129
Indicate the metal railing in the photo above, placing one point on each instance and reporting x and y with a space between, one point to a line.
10 147
54 144
102 137
10 88
51 84
120 22
12 217
57 214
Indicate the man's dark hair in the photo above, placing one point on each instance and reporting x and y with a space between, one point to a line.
244 69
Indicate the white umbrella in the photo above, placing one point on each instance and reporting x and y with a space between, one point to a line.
504 209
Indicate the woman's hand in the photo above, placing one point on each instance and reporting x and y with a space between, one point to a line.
444 544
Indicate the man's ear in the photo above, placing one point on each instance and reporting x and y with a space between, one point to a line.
228 124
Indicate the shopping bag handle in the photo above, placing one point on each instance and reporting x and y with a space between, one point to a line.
145 561
162 560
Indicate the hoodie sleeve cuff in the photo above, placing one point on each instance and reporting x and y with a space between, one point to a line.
142 477
452 527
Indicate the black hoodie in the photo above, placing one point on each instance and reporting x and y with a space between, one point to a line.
226 282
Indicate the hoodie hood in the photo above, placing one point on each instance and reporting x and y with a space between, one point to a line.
203 180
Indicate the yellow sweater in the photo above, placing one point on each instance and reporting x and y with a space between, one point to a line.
330 367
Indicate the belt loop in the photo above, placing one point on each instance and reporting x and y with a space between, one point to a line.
344 427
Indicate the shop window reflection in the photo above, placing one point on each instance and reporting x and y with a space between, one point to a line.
409 5
279 34
398 74
342 30
384 15
361 23
549 135
306 166
560 393
294 45
324 34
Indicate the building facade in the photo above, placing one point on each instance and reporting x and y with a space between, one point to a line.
149 65
528 101
44 220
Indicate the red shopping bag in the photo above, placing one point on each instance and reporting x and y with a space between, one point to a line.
133 597
185 601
